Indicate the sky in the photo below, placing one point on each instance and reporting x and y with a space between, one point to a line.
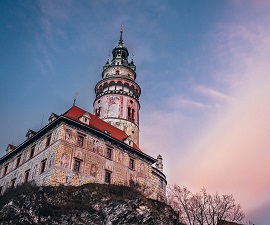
203 67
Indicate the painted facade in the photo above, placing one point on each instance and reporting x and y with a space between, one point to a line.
78 147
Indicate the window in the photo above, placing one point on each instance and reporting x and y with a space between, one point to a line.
98 111
109 153
108 177
161 183
48 140
131 114
32 152
5 169
43 166
13 183
131 164
80 140
117 71
76 167
26 177
18 160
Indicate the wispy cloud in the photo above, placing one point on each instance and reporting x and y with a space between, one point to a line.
210 92
183 102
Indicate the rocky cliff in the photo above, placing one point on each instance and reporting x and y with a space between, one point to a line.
87 204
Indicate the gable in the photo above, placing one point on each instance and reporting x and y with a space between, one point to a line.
85 118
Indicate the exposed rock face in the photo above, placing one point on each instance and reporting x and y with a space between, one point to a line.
87 204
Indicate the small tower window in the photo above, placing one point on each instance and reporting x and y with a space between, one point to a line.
98 112
131 113
117 71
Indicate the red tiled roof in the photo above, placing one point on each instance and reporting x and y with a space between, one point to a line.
75 113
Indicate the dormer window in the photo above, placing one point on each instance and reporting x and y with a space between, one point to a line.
85 118
129 141
9 148
52 117
30 133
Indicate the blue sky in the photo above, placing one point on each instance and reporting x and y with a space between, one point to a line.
203 67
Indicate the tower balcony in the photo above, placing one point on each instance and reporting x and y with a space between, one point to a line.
117 92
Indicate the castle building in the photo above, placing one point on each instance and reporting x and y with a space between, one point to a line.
78 147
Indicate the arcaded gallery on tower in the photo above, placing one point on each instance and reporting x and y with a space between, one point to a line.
78 147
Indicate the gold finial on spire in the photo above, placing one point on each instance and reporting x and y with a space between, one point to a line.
121 32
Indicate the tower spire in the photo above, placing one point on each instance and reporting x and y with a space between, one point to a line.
121 42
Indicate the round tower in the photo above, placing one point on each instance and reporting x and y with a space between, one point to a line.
117 94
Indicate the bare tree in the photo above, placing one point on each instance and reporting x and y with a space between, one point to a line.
202 208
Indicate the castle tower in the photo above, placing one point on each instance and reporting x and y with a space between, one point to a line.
117 94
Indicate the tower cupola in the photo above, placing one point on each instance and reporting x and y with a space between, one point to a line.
120 53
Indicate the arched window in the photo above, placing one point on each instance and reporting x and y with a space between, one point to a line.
112 86
98 111
126 87
119 86
117 72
